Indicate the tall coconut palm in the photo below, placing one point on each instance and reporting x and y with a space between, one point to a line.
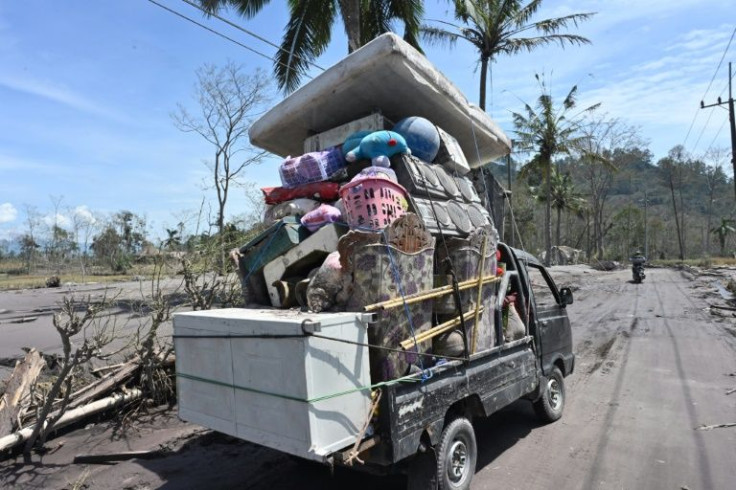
565 198
309 29
497 27
722 231
549 131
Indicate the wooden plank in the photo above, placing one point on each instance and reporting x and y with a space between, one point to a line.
107 384
19 386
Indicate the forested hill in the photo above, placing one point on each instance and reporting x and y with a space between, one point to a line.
601 207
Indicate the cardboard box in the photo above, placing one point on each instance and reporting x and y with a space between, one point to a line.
451 155
336 136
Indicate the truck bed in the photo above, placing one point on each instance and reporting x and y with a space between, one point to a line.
487 383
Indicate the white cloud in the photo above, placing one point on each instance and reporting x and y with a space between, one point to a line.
58 220
84 214
8 213
57 94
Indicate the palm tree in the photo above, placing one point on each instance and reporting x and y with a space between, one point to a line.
565 198
549 131
722 231
309 29
496 27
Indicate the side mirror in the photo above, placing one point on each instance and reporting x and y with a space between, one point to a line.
565 297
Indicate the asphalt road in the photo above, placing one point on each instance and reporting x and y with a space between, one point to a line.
26 316
654 365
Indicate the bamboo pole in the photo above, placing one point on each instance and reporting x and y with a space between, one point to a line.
480 293
434 331
429 294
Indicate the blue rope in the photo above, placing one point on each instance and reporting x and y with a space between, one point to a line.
407 312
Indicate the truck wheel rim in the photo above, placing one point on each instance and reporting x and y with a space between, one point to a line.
555 394
457 459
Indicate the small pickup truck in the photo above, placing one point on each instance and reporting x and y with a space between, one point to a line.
261 376
430 426
300 382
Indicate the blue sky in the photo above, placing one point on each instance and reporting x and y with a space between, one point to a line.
87 88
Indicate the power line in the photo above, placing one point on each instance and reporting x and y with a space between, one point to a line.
710 114
705 126
719 64
246 31
723 125
255 51
709 85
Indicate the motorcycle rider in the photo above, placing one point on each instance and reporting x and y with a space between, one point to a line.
637 265
638 257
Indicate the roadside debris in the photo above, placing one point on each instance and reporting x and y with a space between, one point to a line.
717 426
112 457
15 400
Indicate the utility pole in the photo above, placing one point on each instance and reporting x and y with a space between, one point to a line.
507 195
732 121
646 224
646 227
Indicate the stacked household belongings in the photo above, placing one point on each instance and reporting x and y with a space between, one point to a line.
377 216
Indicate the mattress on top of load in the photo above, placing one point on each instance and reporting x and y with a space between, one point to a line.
387 75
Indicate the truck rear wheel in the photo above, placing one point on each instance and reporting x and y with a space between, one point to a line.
550 405
456 455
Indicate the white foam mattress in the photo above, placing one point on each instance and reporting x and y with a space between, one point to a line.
389 76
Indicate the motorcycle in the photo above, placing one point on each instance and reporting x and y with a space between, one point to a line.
637 270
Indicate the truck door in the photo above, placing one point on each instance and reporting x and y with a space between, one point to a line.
550 317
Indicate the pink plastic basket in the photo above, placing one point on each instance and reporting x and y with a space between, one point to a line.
373 203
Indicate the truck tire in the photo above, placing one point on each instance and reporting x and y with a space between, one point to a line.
550 405
457 454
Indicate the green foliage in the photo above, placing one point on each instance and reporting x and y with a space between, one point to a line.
723 231
549 131
309 29
495 27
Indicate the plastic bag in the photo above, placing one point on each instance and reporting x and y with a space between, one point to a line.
315 166
295 207
323 215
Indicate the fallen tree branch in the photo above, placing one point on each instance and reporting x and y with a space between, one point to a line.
718 307
717 426
71 417
108 368
108 383
123 456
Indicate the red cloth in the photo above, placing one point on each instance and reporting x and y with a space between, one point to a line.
320 191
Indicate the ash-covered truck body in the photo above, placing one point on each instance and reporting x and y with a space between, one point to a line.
379 324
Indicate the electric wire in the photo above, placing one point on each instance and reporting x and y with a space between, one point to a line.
702 131
695 116
213 31
723 124
248 32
